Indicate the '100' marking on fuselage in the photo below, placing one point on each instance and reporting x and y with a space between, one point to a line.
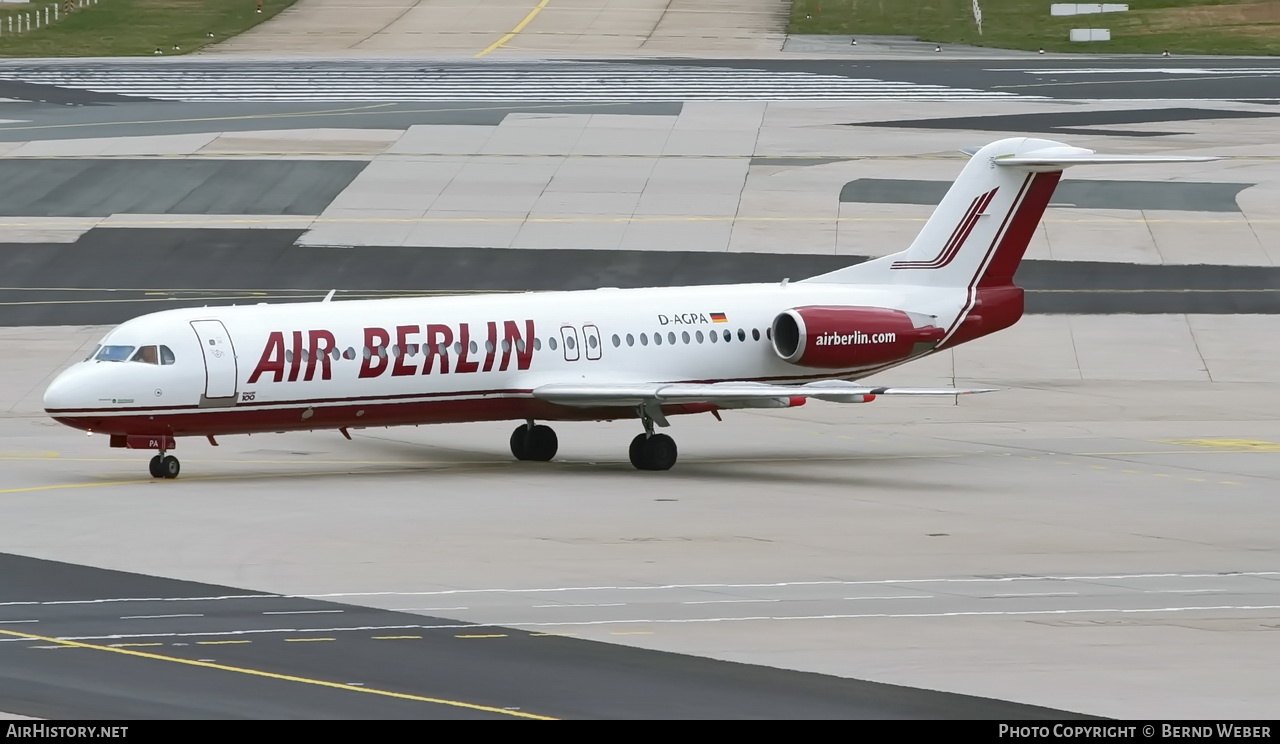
436 341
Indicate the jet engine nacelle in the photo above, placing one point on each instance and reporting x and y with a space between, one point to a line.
845 337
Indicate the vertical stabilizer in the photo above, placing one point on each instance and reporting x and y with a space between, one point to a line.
979 232
981 228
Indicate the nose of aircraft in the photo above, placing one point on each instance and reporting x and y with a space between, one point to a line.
67 391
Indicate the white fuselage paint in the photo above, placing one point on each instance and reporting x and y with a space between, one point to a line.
104 389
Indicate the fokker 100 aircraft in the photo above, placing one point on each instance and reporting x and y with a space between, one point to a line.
585 355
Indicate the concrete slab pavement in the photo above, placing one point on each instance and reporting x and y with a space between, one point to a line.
566 28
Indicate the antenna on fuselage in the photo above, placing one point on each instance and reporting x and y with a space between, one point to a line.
329 296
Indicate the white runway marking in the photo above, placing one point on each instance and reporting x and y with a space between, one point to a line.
11 622
154 617
303 612
1040 594
144 599
1260 71
728 601
611 604
861 582
660 587
426 609
900 596
674 621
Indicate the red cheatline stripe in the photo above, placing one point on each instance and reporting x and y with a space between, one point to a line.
973 207
1000 270
458 396
973 221
958 236
995 240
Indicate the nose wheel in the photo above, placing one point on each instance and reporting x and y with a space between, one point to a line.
165 466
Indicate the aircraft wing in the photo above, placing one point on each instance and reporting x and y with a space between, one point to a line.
725 394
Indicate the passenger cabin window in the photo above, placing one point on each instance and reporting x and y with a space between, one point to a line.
113 353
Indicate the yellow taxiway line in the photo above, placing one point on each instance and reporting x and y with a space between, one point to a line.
519 27
282 677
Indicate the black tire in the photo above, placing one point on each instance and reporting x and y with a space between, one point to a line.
657 452
520 441
170 466
156 467
637 452
661 452
538 444
542 444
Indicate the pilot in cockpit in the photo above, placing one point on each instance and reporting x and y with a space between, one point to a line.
147 354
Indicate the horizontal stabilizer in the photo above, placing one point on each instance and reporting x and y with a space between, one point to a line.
1099 160
1065 156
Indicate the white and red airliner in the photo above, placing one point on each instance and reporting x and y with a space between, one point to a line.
600 354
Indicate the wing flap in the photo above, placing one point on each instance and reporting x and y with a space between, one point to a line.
618 394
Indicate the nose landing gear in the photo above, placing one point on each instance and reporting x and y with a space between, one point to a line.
164 466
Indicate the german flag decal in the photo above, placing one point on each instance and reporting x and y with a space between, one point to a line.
718 318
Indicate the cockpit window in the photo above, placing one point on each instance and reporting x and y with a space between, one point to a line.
166 355
146 355
113 353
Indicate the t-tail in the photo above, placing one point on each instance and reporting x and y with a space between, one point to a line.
977 236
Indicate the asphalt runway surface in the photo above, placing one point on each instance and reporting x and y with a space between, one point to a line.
146 647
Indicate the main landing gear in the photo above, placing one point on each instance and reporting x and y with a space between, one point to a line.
649 451
164 466
534 442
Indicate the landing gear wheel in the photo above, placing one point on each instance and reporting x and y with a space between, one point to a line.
169 467
155 465
656 452
538 443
